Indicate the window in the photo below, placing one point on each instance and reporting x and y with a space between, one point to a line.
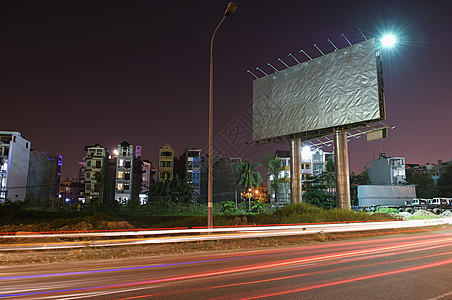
14 138
121 163
128 164
88 163
26 145
120 186
98 164
127 175
120 174
126 187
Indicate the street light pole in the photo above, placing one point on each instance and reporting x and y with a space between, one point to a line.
229 10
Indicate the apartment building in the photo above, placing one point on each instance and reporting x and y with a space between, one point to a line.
166 163
14 160
95 171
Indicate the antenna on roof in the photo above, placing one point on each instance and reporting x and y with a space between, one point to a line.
290 54
302 51
252 74
283 62
335 48
343 35
269 64
259 69
361 33
319 49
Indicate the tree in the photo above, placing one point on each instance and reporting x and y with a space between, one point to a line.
425 187
249 178
273 165
316 192
355 180
445 183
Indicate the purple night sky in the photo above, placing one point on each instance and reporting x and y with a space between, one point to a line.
77 73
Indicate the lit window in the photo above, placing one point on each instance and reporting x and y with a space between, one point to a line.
120 174
121 163
120 186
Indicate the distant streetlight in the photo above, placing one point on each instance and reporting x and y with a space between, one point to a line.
229 10
388 41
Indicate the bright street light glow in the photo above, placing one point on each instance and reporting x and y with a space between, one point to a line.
306 152
388 40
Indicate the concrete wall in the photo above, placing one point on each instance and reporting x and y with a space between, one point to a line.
369 195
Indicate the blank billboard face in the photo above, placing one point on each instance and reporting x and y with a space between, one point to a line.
334 90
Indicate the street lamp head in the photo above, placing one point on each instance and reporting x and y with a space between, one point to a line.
230 9
388 41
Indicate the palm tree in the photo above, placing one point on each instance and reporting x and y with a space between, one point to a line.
274 165
249 178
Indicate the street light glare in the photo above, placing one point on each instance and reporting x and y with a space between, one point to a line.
388 40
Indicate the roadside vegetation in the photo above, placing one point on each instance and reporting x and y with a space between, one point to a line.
20 217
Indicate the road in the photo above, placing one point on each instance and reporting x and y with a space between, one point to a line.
415 266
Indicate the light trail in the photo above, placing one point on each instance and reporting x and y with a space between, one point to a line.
247 234
247 268
282 278
417 268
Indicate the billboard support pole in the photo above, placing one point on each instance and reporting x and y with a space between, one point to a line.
295 171
342 169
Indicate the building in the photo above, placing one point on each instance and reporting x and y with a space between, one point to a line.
166 163
124 172
44 176
71 191
95 174
14 161
148 177
128 173
188 166
387 171
224 179
313 163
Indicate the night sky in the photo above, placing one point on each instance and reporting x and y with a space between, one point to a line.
77 73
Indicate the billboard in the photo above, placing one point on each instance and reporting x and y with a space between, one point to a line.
343 89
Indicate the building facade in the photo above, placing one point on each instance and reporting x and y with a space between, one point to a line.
14 160
166 163
124 173
44 177
95 170
313 163
387 171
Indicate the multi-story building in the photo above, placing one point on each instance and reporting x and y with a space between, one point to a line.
71 191
166 163
387 170
44 176
224 178
95 174
313 163
188 166
127 187
14 160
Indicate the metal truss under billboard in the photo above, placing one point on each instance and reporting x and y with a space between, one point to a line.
343 89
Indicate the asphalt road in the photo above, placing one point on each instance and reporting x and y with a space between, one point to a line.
416 266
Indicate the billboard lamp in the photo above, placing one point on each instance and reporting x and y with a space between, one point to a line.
388 40
319 49
283 62
343 35
302 51
269 64
335 48
252 74
290 54
259 69
361 33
